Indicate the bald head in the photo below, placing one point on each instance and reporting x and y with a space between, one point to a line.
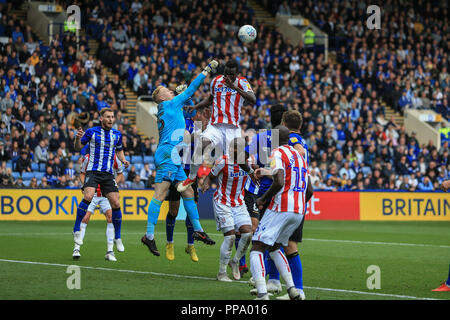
283 134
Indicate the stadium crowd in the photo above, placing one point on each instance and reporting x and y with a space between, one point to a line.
352 145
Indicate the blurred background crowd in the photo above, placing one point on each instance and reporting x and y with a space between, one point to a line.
48 91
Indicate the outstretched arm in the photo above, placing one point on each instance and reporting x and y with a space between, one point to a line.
186 94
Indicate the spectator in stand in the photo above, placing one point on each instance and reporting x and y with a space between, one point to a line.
145 174
24 163
137 183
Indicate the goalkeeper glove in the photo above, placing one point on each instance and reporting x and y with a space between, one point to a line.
211 67
181 88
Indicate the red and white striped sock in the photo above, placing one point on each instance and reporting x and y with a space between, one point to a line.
258 271
282 265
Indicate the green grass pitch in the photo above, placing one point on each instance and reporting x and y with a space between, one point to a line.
413 258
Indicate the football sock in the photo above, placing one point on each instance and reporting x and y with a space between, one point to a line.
448 280
283 267
117 222
225 252
152 217
83 230
258 271
296 269
76 247
192 212
190 231
170 226
81 212
109 236
242 246
236 243
271 268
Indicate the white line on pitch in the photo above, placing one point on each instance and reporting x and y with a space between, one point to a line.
206 278
219 234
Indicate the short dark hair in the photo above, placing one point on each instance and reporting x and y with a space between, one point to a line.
292 119
231 64
276 113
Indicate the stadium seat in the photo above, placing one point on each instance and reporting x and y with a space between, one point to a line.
27 183
128 184
27 175
35 166
149 159
39 175
152 166
15 175
42 167
9 164
74 158
128 158
138 167
136 159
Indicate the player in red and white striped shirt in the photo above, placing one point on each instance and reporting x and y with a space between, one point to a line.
105 208
230 209
228 94
284 214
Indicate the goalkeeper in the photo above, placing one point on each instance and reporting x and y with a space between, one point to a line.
169 170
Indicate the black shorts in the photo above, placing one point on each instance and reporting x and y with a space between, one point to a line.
250 202
298 233
106 181
174 195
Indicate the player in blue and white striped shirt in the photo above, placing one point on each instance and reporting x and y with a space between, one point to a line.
104 143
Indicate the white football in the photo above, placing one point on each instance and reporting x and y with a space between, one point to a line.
247 33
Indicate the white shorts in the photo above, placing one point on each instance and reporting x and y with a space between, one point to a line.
221 134
101 202
277 227
229 218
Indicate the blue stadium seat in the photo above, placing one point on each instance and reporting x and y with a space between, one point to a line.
42 167
39 175
35 166
138 167
128 184
152 166
125 174
15 175
149 159
128 158
136 159
27 175
9 164
75 158
27 183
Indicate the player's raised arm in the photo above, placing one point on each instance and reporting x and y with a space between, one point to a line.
246 92
187 94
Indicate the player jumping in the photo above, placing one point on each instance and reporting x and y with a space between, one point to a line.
202 115
169 170
228 93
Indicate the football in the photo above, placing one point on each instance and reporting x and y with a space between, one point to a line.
247 33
